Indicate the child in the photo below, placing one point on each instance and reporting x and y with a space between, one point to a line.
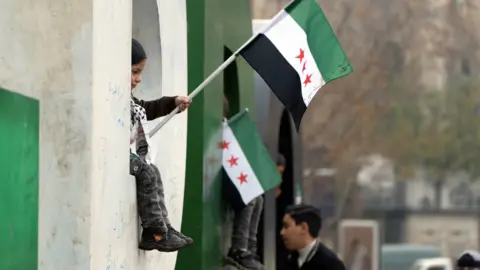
158 232
243 252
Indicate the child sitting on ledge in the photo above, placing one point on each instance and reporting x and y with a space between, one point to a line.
158 232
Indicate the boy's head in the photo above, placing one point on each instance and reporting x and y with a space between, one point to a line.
469 260
301 224
139 60
281 163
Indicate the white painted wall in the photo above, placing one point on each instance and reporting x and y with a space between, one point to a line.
74 56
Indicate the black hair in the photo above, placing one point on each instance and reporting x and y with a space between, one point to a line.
281 160
469 259
311 215
138 53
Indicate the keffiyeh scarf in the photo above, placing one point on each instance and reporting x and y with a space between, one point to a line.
138 138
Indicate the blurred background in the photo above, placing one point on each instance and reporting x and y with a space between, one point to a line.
398 142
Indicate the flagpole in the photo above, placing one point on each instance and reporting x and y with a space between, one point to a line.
195 92
214 74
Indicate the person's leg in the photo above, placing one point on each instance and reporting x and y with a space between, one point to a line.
239 254
255 220
155 232
241 227
163 206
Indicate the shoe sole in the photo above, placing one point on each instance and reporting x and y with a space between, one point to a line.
161 249
232 262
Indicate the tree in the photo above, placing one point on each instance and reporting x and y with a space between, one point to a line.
436 131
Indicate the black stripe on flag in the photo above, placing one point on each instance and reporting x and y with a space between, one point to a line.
278 74
230 192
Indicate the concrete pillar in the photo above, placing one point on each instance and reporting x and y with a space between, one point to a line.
73 57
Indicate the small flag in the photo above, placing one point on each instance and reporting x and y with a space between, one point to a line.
297 55
247 163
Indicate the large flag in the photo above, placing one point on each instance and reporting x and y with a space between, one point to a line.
296 55
247 163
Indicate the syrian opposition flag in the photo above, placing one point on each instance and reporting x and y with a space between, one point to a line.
296 55
249 170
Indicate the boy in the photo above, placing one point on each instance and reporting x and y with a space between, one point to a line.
158 232
301 226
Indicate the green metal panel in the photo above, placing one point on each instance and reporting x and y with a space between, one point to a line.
237 26
19 156
213 25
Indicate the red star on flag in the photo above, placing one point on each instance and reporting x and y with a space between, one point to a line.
224 145
242 178
301 55
233 161
304 66
307 80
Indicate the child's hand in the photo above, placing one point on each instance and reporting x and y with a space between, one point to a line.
182 102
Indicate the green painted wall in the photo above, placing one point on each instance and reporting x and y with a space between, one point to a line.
19 159
213 26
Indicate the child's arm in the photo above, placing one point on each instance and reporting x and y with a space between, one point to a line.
157 108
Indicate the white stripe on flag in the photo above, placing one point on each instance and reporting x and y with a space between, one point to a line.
252 188
290 38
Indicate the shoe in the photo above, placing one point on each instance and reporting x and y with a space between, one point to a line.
243 260
187 239
254 253
165 242
257 258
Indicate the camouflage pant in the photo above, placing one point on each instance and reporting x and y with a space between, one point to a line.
150 194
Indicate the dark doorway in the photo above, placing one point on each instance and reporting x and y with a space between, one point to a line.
286 198
230 84
231 105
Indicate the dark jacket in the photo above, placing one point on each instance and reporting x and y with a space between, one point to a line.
321 258
158 107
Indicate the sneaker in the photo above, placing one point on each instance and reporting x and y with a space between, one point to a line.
243 260
187 239
257 258
165 242
254 253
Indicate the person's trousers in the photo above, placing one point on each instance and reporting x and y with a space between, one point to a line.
245 226
150 194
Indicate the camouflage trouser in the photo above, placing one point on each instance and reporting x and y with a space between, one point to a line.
150 194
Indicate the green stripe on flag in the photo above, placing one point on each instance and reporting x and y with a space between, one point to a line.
19 170
322 41
258 157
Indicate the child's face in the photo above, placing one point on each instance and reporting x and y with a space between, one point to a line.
281 168
137 71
